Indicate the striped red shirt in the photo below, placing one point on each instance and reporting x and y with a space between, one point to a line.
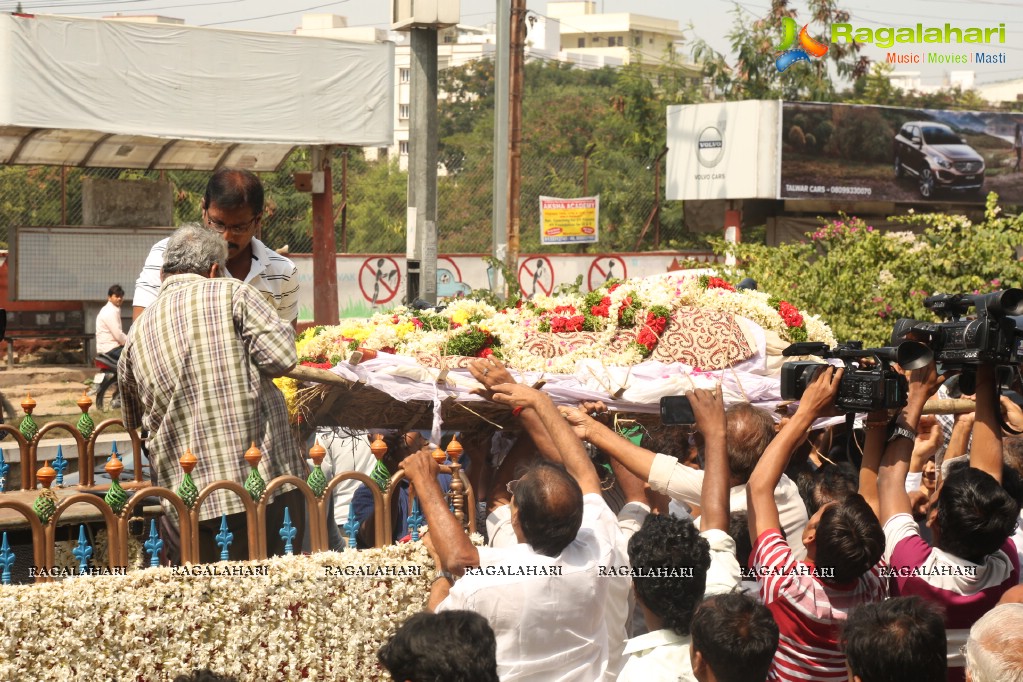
809 612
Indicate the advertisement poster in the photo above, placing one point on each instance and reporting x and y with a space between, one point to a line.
723 150
569 221
875 153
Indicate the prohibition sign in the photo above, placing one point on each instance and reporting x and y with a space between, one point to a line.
536 274
604 268
379 279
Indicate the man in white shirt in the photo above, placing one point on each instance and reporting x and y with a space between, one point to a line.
233 207
675 566
545 597
110 336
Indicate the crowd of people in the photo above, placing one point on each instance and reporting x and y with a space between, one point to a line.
851 579
739 549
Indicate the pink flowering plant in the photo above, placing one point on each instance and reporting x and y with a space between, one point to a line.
861 279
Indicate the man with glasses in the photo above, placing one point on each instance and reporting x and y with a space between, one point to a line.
233 207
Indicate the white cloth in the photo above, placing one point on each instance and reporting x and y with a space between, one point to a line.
684 484
109 331
273 276
661 655
621 598
549 628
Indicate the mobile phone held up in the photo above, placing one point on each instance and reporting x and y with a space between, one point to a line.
675 409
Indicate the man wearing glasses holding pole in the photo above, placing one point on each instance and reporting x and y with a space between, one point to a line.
233 207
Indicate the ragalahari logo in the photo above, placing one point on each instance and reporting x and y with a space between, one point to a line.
808 47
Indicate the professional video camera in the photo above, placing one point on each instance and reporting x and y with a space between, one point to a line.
869 383
990 338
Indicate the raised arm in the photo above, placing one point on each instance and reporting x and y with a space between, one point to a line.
873 450
891 479
573 454
709 410
453 546
986 450
762 510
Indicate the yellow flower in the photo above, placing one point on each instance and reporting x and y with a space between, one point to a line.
460 316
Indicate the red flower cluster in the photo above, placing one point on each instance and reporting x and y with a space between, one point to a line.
650 333
567 324
718 283
485 353
564 310
601 309
790 314
318 365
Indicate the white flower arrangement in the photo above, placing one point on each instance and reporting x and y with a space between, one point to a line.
287 618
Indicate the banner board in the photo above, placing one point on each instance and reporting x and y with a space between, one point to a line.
875 153
723 150
569 221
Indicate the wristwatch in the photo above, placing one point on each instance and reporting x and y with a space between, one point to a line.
897 430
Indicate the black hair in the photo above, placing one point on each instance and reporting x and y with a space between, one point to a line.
450 646
550 507
830 483
737 637
738 529
229 189
668 542
897 640
115 290
975 514
849 540
749 431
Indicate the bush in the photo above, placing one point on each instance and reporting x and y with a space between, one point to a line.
861 279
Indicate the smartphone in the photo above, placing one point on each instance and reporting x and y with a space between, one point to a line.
675 409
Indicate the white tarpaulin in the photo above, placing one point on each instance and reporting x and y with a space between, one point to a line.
125 94
723 151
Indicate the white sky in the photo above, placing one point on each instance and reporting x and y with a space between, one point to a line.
711 19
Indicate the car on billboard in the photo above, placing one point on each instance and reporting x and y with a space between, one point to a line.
938 158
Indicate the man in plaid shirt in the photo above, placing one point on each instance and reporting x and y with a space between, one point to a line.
197 371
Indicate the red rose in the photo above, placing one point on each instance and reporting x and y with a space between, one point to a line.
718 283
574 323
485 353
790 314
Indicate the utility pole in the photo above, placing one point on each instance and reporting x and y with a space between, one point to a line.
499 205
517 49
422 20
422 177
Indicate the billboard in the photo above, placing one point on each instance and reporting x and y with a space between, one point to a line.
723 150
875 153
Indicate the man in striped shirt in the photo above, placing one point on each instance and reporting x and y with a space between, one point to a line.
810 600
233 207
973 561
197 371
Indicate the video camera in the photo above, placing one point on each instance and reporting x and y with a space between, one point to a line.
991 337
869 383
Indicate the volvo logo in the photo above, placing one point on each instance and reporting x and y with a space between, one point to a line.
710 147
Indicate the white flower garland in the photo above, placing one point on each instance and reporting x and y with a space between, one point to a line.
303 618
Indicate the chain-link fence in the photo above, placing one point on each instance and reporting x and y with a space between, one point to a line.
370 200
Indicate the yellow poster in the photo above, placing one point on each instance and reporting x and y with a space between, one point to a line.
569 221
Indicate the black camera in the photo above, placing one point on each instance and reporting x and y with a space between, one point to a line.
869 383
991 337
